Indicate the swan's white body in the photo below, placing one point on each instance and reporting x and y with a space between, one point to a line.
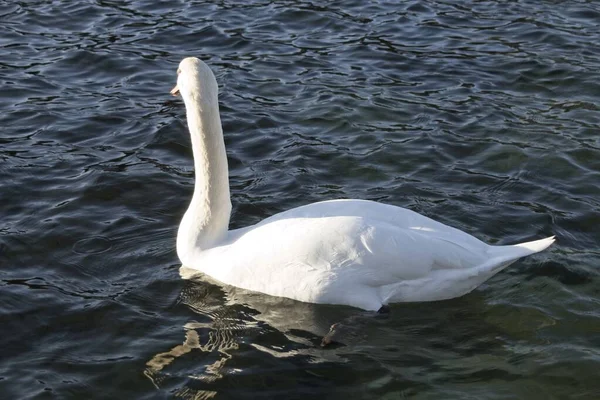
353 252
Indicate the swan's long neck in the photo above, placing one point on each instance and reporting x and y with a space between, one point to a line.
206 220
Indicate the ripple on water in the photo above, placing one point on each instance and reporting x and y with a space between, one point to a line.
480 114
92 245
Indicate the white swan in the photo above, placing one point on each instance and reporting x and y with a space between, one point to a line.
353 252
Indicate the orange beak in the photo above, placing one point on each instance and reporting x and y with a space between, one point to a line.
175 90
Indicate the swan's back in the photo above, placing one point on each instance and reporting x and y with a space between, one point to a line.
352 252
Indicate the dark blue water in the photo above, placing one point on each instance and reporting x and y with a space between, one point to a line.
482 114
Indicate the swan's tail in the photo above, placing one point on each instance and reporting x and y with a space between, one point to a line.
449 283
505 255
537 245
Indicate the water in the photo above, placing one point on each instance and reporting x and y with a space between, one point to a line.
483 115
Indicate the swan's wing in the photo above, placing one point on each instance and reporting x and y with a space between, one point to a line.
358 253
378 213
411 243
307 255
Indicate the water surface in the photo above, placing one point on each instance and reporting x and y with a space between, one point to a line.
483 115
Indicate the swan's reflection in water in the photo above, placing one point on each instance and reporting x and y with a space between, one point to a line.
245 345
235 322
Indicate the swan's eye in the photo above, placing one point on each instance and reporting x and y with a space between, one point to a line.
178 71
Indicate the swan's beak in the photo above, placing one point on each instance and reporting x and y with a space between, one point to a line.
175 90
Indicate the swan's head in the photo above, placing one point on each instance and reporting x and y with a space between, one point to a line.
195 81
